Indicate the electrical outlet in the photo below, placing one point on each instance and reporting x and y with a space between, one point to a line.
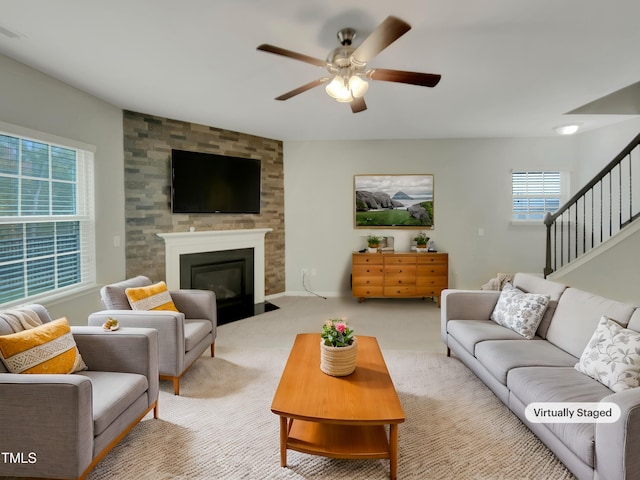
314 272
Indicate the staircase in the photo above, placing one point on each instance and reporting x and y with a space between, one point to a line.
603 217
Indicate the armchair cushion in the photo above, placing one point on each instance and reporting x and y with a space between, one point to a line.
150 297
113 393
194 332
47 348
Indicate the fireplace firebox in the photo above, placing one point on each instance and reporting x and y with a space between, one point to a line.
229 274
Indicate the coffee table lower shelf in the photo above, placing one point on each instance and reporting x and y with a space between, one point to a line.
336 441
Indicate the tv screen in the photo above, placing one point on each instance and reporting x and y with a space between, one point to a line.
210 183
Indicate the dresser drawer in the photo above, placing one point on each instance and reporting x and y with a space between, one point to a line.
400 291
400 260
433 282
433 270
397 280
367 291
432 259
408 270
364 259
367 270
363 281
429 291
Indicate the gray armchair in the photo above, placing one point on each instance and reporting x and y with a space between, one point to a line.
182 336
61 426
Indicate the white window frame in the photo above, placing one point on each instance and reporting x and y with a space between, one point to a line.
84 215
540 185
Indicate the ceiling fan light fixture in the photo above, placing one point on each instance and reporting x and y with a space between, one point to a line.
338 89
358 86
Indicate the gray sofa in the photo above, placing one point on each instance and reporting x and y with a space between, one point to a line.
521 371
61 426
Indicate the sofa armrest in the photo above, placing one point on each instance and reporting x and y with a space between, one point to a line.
466 305
200 304
128 350
197 304
170 327
48 420
618 444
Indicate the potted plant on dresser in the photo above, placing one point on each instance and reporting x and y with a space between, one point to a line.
373 241
421 242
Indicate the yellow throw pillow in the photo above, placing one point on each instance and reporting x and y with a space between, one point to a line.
48 348
153 297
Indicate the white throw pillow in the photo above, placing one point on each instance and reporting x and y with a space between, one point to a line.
612 356
519 311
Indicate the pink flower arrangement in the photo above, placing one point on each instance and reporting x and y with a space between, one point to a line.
336 333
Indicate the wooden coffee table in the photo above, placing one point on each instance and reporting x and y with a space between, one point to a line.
338 417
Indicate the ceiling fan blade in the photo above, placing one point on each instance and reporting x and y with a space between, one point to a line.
400 76
391 29
295 55
302 89
358 105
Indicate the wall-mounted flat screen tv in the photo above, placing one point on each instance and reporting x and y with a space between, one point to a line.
210 183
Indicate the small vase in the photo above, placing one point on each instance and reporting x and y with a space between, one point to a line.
338 361
373 249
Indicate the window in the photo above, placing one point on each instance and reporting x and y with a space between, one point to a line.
46 218
535 193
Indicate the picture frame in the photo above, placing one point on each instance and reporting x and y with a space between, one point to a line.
393 201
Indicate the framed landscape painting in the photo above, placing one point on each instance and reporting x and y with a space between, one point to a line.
398 201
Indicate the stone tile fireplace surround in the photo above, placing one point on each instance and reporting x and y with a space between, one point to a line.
148 141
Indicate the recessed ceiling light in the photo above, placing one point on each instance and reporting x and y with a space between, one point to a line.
567 129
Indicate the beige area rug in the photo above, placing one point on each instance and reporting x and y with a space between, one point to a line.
221 427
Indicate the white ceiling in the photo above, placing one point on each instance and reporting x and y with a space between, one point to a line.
510 68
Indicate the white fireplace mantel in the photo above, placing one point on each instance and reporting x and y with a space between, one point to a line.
180 243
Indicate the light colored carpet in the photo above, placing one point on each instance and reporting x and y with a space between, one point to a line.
221 427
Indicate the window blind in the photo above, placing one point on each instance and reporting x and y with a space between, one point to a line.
47 225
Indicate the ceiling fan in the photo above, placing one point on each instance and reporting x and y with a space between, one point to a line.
347 65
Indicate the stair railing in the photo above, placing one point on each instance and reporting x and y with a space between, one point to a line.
602 208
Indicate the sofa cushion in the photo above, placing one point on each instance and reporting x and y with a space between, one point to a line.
113 393
150 297
577 315
194 332
47 348
519 311
560 384
612 356
530 283
470 332
500 356
113 296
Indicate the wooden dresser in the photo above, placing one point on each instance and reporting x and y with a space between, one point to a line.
399 275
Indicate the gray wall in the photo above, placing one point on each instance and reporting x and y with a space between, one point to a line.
472 191
33 100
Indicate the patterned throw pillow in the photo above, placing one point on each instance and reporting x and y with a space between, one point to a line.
612 356
519 311
153 297
48 348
